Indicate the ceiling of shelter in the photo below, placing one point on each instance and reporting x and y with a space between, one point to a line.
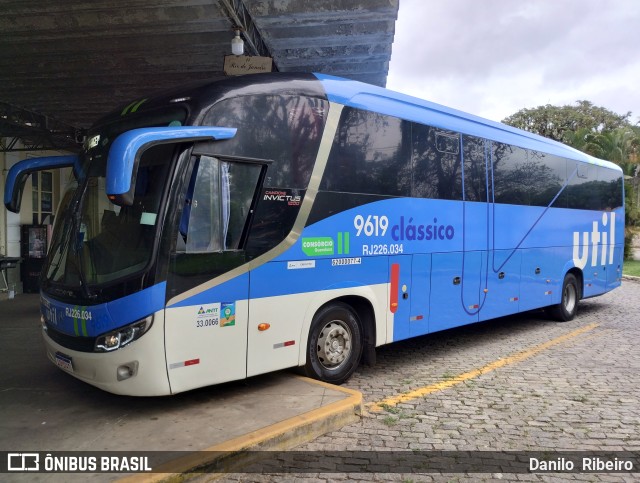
63 64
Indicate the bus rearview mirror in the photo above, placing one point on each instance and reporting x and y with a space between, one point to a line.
19 173
127 149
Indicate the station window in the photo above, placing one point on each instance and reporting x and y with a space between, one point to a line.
42 197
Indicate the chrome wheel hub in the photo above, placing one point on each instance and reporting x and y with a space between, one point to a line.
334 344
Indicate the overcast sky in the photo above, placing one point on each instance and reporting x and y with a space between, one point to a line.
494 57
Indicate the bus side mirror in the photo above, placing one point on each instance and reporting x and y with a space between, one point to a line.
19 172
127 149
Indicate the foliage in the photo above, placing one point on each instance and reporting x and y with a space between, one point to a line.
631 214
621 146
596 131
560 123
631 267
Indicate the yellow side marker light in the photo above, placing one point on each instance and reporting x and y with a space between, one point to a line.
264 326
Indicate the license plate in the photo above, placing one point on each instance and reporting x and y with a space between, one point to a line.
64 362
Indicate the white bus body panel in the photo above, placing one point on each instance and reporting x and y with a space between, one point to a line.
201 349
100 368
284 343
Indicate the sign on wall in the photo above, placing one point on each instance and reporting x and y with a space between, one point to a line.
246 64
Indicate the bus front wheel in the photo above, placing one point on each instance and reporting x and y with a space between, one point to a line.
568 307
335 344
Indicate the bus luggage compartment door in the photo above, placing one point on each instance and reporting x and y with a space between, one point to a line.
541 277
501 279
614 271
455 291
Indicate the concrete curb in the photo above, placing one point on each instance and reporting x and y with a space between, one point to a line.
631 278
280 436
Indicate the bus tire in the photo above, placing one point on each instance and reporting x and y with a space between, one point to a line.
568 307
335 344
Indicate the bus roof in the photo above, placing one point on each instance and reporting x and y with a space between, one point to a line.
200 96
372 98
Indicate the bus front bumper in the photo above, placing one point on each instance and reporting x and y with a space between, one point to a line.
138 369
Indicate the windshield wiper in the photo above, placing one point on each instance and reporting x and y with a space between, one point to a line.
78 250
71 231
62 249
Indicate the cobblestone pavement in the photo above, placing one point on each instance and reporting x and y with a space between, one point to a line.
580 393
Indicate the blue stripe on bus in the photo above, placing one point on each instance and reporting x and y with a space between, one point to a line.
427 226
418 226
235 289
277 278
283 278
93 320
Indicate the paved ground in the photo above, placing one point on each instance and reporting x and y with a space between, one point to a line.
559 387
521 383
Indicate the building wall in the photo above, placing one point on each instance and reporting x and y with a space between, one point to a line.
10 222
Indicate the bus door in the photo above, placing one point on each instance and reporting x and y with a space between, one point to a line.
458 277
409 295
207 314
501 272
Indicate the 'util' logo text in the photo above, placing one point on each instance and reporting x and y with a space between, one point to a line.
606 238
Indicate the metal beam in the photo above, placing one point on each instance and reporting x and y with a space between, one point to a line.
240 16
36 131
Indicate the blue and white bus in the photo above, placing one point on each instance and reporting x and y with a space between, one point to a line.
243 226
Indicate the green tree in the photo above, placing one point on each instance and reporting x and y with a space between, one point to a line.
620 146
561 123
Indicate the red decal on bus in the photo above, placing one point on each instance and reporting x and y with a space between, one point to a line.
395 280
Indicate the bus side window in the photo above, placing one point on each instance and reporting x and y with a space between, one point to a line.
610 188
217 205
580 189
437 169
511 174
548 176
475 169
186 212
370 154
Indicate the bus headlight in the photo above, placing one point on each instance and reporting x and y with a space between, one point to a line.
112 341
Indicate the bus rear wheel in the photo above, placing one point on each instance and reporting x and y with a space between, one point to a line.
335 344
568 307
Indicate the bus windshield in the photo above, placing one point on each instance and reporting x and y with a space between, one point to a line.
100 242
96 242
